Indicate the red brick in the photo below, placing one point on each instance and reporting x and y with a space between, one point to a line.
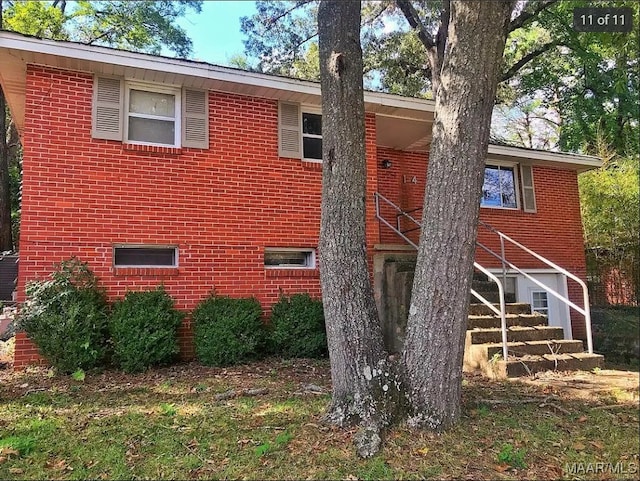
221 206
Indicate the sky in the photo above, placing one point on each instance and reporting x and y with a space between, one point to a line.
215 32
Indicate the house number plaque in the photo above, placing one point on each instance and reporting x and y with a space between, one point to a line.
409 179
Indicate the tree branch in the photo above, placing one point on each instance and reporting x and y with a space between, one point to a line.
104 34
443 31
413 18
525 16
528 58
273 20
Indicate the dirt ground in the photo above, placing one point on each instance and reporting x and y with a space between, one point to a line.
587 384
621 385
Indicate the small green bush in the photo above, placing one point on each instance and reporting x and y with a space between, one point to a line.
66 317
144 330
297 327
615 333
228 331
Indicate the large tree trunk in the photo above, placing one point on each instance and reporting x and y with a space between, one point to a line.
434 346
364 387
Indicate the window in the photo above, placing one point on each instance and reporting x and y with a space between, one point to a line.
287 258
300 132
540 302
311 136
145 256
151 116
499 188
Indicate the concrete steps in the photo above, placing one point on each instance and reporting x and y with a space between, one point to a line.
533 345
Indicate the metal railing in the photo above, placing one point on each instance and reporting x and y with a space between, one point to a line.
400 213
505 263
585 311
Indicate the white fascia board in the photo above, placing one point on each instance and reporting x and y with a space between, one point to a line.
586 161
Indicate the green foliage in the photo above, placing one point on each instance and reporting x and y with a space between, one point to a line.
512 456
66 317
168 409
78 375
615 333
36 18
144 330
228 331
297 327
281 441
588 80
143 26
610 200
24 445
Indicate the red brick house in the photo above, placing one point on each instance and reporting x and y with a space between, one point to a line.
157 170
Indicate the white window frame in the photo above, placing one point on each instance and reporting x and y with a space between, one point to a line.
541 310
175 91
516 183
310 254
305 109
146 246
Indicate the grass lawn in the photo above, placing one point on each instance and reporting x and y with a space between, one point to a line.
183 422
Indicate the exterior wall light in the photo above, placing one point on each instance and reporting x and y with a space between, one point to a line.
386 164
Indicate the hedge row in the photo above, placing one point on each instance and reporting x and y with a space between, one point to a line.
69 319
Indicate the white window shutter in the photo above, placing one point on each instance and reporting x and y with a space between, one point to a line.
290 130
108 100
528 191
195 118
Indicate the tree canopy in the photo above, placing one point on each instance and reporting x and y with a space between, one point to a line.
142 26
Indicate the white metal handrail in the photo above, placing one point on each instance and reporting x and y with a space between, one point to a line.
586 311
500 312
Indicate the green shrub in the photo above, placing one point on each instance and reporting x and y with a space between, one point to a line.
66 317
228 331
615 333
144 330
297 327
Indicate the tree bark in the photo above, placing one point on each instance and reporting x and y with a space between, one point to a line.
434 345
364 386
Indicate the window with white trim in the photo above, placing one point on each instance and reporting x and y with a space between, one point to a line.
300 132
540 302
145 256
499 188
150 114
289 258
311 136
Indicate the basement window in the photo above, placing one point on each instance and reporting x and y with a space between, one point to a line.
540 302
145 256
289 258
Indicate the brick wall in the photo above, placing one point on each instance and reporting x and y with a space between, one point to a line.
221 206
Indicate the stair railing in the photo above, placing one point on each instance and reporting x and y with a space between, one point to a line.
586 311
501 312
